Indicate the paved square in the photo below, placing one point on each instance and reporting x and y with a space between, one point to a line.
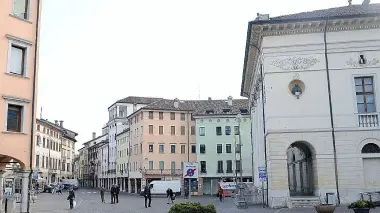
88 201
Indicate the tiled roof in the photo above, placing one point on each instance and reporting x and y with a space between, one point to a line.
138 100
199 107
346 11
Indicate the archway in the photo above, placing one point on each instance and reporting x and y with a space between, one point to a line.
300 169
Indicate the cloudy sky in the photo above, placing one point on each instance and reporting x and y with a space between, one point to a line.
94 52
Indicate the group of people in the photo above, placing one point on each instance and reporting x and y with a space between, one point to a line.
170 195
115 191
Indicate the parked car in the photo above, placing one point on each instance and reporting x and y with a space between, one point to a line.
48 188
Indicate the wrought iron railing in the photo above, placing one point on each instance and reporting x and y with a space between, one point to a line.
163 171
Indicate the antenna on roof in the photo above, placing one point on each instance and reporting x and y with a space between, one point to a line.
349 2
199 92
41 114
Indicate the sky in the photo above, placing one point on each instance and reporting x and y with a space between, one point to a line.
94 52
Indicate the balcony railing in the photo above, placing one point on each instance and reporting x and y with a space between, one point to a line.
163 171
368 120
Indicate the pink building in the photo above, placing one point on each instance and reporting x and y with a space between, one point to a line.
19 32
162 137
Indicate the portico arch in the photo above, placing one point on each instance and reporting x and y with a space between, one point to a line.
300 160
4 160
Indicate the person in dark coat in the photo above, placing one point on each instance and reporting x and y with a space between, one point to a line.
113 191
102 190
148 196
170 195
71 198
117 191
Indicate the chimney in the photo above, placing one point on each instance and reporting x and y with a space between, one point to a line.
366 2
61 123
229 100
176 103
349 2
209 98
93 135
56 122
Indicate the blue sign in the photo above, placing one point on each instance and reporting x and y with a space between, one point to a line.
262 174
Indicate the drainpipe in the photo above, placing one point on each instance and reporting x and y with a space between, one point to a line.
33 99
264 128
331 111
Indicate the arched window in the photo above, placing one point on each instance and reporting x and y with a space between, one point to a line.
371 148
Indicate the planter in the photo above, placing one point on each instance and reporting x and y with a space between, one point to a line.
361 210
324 208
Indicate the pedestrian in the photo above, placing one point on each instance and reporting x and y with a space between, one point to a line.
117 191
102 191
147 196
220 194
71 198
170 195
113 190
186 193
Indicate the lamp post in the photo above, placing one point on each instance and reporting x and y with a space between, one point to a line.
238 117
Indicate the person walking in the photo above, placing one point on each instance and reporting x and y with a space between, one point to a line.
117 191
170 195
102 191
147 196
220 194
71 198
113 190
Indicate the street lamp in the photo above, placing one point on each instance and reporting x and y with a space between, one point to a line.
238 118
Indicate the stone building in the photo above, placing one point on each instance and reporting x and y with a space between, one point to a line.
312 79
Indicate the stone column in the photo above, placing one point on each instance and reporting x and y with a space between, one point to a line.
135 185
129 185
1 191
24 192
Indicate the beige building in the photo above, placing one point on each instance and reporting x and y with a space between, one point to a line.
55 150
19 37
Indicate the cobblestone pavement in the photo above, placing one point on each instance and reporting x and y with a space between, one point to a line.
88 201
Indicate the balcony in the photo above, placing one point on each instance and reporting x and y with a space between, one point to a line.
163 171
368 120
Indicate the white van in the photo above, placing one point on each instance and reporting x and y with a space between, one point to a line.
159 187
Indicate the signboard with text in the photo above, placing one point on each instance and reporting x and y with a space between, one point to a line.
190 170
262 173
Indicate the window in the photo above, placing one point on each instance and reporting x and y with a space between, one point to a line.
220 166
236 130
172 116
228 130
229 166
371 148
150 115
183 130
228 148
43 142
161 115
37 160
161 148
14 118
68 167
365 97
202 148
17 60
172 165
192 130
38 127
43 161
218 130
219 148
161 130
172 148
182 116
150 165
202 131
38 143
20 8
183 148
193 148
162 165
150 147
203 167
238 165
172 130
151 129
237 148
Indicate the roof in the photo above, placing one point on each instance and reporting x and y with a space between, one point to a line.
60 128
349 11
122 132
94 139
199 107
346 11
137 100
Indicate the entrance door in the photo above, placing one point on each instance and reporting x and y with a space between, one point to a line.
372 173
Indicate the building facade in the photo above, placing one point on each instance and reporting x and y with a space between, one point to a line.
81 167
220 130
19 34
54 151
93 164
312 79
122 159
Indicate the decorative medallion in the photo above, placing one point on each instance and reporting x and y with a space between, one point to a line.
362 62
218 120
295 63
228 120
296 88
210 120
